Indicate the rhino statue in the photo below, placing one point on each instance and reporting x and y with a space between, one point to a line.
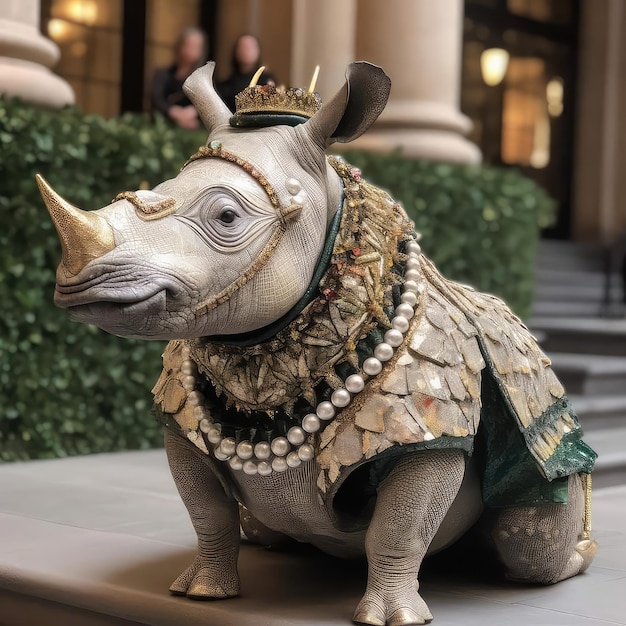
321 375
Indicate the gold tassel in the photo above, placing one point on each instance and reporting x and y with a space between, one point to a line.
586 482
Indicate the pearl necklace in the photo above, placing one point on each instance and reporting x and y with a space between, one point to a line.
281 453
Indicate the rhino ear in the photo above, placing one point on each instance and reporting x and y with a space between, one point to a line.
200 90
354 108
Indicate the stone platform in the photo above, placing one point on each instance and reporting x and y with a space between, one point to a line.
96 540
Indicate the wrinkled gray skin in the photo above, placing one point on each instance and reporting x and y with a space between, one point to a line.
149 286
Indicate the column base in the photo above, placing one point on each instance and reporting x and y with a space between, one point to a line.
424 114
33 83
429 144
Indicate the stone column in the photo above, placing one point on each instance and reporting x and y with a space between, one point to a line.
25 56
418 43
599 184
323 33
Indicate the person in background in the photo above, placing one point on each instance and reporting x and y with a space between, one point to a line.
190 52
246 61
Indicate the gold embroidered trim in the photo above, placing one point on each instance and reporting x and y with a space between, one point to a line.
148 211
214 149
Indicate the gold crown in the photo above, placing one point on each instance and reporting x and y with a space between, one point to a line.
259 99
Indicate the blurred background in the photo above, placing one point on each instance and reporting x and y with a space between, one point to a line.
538 78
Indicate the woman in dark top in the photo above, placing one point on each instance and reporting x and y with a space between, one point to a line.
246 61
168 98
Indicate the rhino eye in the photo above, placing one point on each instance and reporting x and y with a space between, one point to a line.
226 220
228 216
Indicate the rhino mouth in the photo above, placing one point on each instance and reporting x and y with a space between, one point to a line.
151 304
121 303
125 300
121 318
126 297
125 287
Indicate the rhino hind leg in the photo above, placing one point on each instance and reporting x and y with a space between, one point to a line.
542 544
412 501
215 518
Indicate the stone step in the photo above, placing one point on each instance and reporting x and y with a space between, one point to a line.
565 308
599 412
576 292
550 276
589 335
569 255
589 374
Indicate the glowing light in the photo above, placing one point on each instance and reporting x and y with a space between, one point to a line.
58 29
82 11
540 156
316 73
554 96
493 65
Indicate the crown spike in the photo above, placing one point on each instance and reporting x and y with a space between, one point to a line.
257 75
314 79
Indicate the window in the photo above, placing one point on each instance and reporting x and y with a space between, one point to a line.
89 35
524 117
525 128
551 11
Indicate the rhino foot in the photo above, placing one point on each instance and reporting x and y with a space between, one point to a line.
540 544
199 582
412 501
404 610
587 549
215 518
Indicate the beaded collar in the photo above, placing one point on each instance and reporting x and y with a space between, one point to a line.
257 407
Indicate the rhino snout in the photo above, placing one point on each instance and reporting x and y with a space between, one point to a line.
84 235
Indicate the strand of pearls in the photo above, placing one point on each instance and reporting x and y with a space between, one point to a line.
281 453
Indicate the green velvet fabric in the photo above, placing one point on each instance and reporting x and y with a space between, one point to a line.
511 475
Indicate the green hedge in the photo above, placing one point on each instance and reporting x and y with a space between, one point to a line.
67 388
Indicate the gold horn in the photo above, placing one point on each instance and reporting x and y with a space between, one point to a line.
84 235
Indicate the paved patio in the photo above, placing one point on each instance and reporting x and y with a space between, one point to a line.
96 540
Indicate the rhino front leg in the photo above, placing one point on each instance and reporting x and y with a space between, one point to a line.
542 544
412 501
215 518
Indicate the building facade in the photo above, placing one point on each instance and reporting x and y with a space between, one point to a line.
533 84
